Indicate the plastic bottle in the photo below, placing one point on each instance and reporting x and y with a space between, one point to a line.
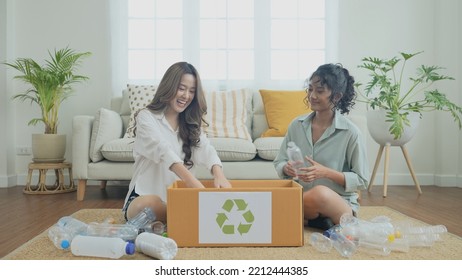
336 228
321 242
124 231
295 157
399 245
159 247
60 238
343 245
381 249
143 218
102 247
72 225
156 227
372 232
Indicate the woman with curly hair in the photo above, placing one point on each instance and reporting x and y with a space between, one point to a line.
336 164
169 142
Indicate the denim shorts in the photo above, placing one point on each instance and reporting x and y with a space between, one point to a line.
132 196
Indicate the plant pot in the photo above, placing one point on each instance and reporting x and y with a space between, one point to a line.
48 147
379 128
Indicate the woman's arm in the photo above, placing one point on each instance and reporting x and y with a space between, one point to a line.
220 180
188 178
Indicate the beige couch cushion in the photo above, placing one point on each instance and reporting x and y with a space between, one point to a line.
268 147
118 150
107 126
233 149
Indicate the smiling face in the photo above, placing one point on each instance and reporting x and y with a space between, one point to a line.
319 95
184 94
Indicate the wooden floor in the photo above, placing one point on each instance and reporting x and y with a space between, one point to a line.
25 216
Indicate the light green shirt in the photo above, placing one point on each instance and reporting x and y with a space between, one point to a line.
341 148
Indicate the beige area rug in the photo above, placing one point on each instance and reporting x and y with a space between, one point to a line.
450 247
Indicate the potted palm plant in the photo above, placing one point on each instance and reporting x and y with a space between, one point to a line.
397 107
50 84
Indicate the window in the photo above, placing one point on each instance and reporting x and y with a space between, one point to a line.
256 43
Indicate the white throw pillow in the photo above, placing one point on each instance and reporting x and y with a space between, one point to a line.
139 97
227 114
107 126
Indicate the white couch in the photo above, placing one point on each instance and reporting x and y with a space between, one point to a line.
113 161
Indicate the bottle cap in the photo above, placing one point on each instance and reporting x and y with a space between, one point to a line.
65 244
130 248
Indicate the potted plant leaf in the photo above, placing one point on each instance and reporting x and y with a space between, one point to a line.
401 106
50 84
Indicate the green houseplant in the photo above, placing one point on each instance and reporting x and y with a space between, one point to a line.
50 84
386 91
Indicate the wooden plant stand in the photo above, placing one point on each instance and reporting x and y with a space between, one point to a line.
42 188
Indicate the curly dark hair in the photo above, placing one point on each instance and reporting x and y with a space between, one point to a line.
192 118
339 81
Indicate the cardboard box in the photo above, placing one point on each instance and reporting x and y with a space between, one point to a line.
251 213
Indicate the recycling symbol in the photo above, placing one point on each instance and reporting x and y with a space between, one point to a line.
235 207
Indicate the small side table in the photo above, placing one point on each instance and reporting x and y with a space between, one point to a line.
58 187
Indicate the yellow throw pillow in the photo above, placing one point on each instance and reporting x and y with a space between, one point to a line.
281 107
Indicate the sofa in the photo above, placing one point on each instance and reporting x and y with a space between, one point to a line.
247 137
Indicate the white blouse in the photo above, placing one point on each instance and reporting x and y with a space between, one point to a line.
157 146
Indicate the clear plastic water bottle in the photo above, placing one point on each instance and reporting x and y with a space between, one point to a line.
343 245
60 237
101 247
124 231
143 218
159 247
336 228
321 242
156 227
295 157
381 249
72 225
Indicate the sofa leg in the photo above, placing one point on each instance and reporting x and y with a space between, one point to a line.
81 189
103 184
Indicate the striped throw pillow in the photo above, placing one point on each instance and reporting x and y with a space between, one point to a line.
227 114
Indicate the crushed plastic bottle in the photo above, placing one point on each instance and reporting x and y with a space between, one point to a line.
343 245
142 219
321 242
60 238
72 225
124 231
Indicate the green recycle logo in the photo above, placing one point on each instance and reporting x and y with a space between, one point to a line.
238 205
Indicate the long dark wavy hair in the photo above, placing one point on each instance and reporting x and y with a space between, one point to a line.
192 117
339 81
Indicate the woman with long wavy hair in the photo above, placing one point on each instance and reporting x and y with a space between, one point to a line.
169 142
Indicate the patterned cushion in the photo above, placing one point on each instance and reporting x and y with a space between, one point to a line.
139 97
227 114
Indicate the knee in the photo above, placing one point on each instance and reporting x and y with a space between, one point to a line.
318 195
149 201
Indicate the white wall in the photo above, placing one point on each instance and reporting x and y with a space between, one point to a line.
366 28
384 28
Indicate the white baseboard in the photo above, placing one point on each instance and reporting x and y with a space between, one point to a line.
393 179
8 181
